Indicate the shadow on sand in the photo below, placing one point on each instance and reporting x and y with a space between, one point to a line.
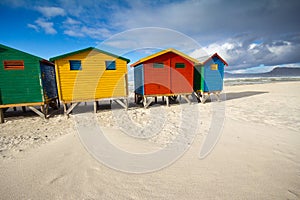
105 106
238 95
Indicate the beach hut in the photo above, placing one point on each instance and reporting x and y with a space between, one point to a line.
168 73
90 74
208 77
25 80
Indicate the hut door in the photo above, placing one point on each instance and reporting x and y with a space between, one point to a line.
157 77
48 81
181 76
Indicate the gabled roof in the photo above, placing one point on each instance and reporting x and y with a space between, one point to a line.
88 49
3 47
205 59
164 52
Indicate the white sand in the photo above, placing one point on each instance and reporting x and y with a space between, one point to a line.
257 156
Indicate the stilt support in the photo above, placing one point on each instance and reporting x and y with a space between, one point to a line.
203 98
167 101
186 98
40 113
1 116
147 104
95 106
73 105
123 103
65 108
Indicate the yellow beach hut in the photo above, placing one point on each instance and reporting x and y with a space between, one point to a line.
91 74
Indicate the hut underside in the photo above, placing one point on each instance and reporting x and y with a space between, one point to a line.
203 96
42 112
70 105
148 99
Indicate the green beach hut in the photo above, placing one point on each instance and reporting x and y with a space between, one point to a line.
25 80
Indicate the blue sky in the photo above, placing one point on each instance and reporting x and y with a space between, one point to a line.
252 36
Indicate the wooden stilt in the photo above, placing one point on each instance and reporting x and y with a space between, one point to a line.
58 103
65 108
127 103
37 111
186 98
163 99
203 97
167 101
1 116
42 108
149 102
24 109
46 110
15 108
123 104
144 100
155 99
72 107
218 96
95 106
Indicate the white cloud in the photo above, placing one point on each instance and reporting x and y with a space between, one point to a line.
96 33
51 11
46 26
36 28
73 33
70 21
244 52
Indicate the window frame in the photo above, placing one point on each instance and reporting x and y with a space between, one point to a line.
158 65
108 64
14 65
70 63
179 65
214 67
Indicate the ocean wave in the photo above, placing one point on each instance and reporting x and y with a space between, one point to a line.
257 80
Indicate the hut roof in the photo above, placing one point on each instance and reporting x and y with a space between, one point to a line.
88 49
4 48
164 52
205 59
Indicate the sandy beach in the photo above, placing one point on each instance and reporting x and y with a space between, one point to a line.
257 155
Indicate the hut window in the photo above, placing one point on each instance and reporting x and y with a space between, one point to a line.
214 66
110 65
158 65
179 65
13 64
75 64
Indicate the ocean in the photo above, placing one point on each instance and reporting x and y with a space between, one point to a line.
257 80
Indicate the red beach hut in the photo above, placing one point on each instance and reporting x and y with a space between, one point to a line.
168 73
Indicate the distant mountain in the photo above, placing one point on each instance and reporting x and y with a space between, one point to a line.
276 72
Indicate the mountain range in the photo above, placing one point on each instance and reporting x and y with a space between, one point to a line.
276 72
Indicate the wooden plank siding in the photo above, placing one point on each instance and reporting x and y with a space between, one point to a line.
209 75
175 75
93 81
20 85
